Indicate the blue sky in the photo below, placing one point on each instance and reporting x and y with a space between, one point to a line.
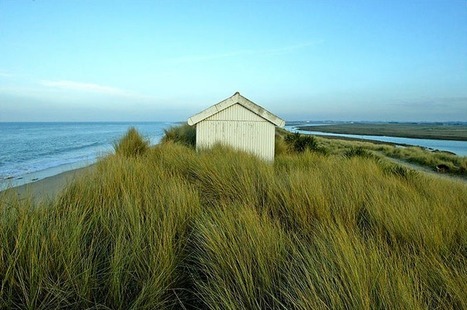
166 60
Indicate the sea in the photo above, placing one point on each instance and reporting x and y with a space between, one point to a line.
33 151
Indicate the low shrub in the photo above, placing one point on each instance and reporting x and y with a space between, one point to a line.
184 134
357 151
299 143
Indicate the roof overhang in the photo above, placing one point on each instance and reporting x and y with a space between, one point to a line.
236 99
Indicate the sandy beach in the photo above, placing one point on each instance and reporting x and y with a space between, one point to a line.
46 188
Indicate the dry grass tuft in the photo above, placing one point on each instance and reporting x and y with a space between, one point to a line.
132 144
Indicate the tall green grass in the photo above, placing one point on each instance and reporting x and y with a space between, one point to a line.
221 229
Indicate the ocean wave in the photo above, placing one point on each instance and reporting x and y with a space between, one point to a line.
29 148
62 150
32 166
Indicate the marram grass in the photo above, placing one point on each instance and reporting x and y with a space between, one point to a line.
170 228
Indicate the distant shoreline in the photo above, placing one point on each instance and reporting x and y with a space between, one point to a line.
361 140
413 131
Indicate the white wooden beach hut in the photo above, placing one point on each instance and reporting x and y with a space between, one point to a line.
237 122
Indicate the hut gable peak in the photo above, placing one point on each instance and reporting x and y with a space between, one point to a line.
236 99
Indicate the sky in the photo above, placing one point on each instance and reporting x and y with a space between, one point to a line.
167 60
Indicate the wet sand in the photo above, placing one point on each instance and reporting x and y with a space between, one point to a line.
47 188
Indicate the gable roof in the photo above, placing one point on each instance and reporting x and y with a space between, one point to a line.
236 99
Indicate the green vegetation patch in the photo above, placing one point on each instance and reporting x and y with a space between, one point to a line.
454 165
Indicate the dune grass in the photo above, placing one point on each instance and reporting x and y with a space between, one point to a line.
132 144
220 229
